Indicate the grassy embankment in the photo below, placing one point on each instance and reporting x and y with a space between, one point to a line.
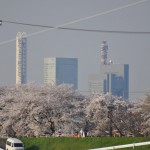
79 144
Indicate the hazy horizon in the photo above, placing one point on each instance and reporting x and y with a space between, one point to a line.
123 48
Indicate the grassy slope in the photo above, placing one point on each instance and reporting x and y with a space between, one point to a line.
79 144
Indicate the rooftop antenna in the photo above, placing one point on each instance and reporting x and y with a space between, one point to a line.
104 51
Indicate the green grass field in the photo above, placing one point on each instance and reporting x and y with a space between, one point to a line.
79 143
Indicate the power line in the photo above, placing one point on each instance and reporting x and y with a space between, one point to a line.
27 24
79 29
80 20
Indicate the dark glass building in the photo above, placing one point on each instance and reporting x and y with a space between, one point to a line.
113 78
61 70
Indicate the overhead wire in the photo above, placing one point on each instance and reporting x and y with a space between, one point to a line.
79 20
79 29
26 24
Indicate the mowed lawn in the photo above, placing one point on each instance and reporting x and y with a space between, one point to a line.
61 143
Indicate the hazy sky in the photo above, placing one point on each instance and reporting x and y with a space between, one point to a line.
132 49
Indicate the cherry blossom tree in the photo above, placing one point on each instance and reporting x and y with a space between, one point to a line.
143 110
32 110
122 118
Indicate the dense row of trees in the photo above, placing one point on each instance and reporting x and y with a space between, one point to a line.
31 110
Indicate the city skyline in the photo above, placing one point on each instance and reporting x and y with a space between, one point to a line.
126 48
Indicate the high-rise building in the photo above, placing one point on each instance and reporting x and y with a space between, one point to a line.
61 70
113 78
21 58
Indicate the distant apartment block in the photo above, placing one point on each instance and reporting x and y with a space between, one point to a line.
61 70
21 58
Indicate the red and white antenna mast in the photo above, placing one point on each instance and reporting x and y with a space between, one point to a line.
104 51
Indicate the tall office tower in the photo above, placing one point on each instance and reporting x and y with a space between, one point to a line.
113 78
21 58
61 70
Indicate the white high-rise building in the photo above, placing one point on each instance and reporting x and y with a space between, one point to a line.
21 58
61 70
